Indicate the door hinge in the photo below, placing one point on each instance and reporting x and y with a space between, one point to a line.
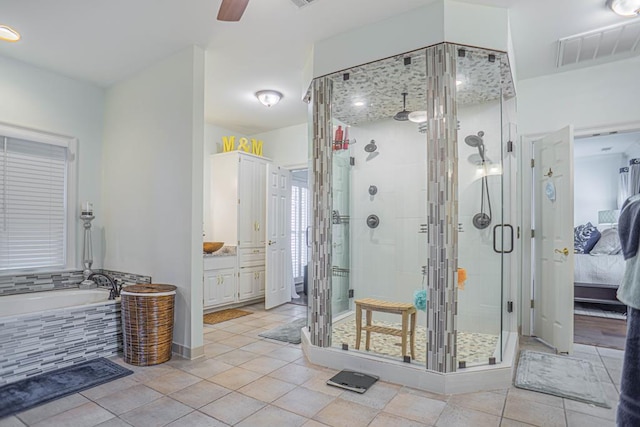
533 233
533 163
509 306
352 161
350 293
532 304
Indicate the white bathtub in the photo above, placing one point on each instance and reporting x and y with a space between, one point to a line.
35 302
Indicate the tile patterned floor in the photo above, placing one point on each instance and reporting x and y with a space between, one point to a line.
246 380
473 348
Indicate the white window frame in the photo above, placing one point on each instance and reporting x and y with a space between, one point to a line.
71 144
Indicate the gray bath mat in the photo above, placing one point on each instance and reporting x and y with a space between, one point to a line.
43 388
288 333
560 376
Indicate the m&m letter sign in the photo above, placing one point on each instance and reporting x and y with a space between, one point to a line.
229 144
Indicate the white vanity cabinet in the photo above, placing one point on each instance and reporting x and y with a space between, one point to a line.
220 281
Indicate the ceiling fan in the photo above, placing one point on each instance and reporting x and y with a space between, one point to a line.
232 10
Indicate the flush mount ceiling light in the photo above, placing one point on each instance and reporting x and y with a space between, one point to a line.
625 7
9 34
269 97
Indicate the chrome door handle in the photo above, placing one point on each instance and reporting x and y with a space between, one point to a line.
564 251
271 242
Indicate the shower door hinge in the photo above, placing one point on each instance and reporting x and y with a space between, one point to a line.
533 233
350 293
532 305
509 146
509 306
352 161
533 163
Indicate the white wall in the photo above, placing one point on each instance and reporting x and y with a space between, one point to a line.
153 182
286 146
595 186
601 96
45 101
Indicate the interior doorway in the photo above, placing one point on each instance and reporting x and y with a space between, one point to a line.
299 233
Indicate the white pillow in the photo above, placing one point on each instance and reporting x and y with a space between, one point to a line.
609 243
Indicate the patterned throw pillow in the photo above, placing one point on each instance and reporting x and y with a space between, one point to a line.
581 235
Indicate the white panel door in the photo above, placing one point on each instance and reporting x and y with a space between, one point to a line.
553 240
279 278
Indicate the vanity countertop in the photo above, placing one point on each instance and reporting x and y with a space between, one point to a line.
224 251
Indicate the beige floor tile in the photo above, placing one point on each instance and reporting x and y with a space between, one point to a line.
125 400
261 347
51 409
11 422
260 322
263 364
506 422
215 349
319 384
237 328
427 394
533 412
611 394
416 408
577 419
376 397
287 353
196 419
534 396
610 352
114 422
456 416
218 335
102 390
266 389
304 402
200 394
235 378
237 341
273 416
87 415
146 373
172 382
157 413
297 374
207 367
232 408
387 420
236 357
313 423
489 402
341 413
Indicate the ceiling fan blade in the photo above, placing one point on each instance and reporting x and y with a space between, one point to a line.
232 10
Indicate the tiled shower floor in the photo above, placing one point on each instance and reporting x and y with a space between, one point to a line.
473 348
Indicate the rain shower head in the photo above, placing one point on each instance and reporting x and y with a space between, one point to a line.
403 115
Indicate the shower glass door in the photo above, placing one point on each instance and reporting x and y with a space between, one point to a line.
340 228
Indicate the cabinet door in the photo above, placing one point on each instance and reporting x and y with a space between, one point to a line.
246 280
259 283
210 290
247 222
260 202
227 287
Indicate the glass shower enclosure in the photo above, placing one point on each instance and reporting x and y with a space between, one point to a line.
382 203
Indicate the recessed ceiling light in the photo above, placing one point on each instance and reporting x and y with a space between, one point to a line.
9 34
358 103
625 7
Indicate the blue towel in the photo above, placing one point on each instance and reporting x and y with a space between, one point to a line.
629 406
629 226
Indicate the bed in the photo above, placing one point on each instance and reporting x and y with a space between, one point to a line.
597 277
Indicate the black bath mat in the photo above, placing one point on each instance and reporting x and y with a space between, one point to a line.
43 388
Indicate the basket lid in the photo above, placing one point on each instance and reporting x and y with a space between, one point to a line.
148 288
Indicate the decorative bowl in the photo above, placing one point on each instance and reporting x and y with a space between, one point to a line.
211 247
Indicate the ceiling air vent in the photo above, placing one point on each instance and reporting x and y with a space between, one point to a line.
302 3
602 45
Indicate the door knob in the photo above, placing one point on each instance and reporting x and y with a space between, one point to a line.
271 243
564 251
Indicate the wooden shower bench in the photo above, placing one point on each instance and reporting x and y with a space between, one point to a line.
404 309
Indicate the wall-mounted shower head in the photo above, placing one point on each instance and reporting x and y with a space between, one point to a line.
371 147
476 141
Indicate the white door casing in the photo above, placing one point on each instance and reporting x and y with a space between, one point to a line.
553 240
279 278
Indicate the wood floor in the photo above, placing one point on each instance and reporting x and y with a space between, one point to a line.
599 331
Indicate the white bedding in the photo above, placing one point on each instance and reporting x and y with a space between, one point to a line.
598 269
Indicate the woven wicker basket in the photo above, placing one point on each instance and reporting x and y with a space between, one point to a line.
147 323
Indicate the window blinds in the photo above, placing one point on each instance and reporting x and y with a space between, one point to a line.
33 179
299 196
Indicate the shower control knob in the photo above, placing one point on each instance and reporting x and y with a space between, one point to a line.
373 221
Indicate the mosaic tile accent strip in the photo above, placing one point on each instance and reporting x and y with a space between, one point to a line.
31 344
321 204
377 84
23 283
128 278
442 204
473 348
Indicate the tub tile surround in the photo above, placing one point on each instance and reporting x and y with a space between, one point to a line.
309 401
34 343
